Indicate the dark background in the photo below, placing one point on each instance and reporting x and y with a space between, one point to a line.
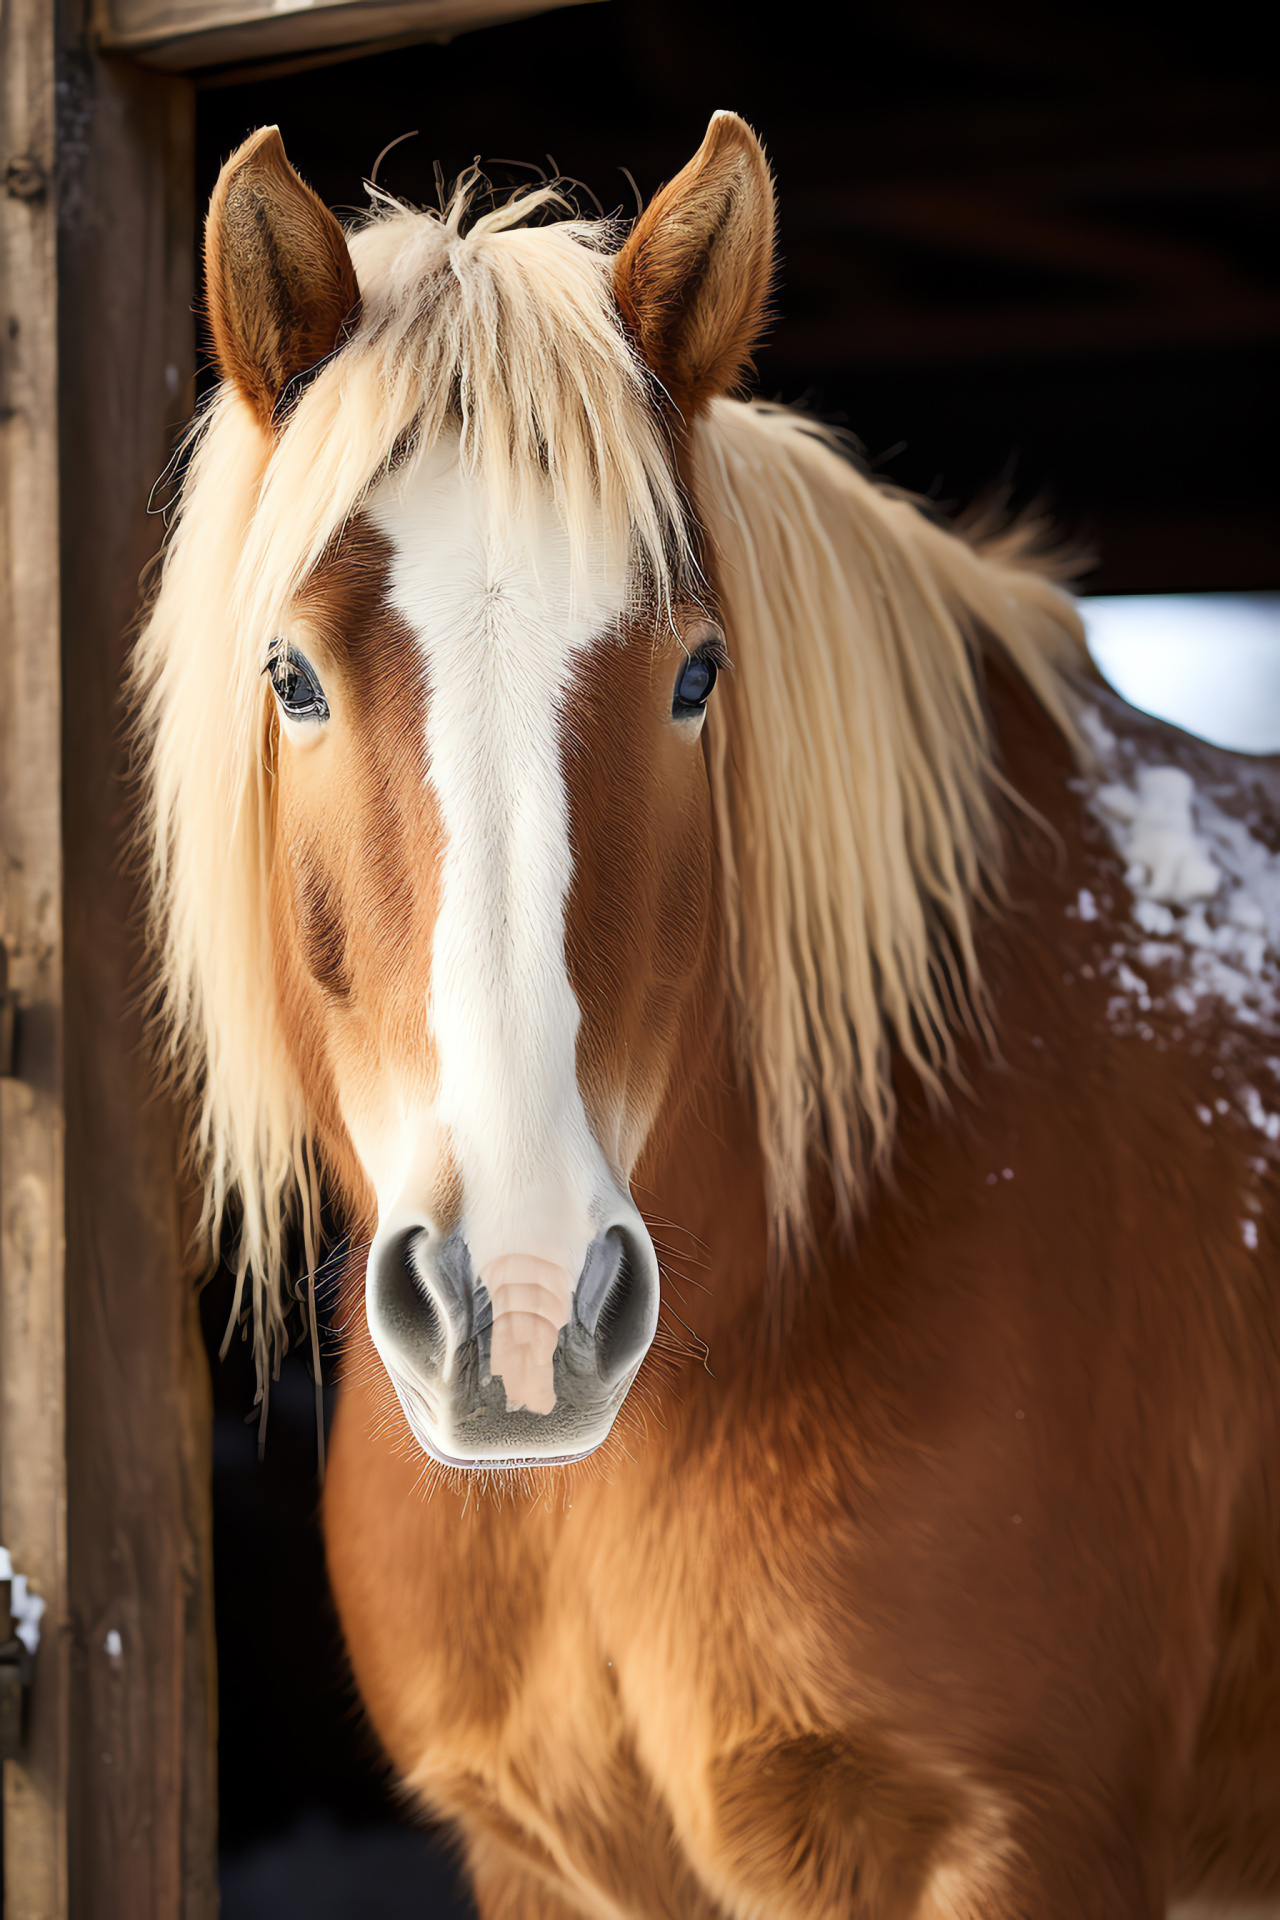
1029 248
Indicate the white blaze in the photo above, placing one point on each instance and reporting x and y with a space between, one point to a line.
500 631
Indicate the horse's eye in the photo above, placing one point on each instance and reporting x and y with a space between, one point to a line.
693 685
297 684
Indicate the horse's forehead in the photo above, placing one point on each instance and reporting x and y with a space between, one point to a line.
471 562
501 622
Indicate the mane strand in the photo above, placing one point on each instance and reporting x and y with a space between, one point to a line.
853 779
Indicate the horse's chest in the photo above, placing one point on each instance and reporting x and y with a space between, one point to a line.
582 1727
556 1636
652 1757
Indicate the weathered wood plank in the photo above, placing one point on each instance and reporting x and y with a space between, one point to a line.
104 1406
142 1791
32 1403
182 35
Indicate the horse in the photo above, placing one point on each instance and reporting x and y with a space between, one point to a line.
792 1057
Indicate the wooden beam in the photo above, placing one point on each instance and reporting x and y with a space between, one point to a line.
142 1802
32 1323
184 38
104 1404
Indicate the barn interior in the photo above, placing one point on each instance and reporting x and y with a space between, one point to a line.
1025 253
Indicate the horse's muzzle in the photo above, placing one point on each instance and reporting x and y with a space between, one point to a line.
524 1370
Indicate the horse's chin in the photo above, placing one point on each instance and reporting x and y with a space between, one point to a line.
505 1441
515 1463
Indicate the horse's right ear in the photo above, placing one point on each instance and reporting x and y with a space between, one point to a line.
692 281
279 283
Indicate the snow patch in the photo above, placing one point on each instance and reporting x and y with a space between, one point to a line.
26 1609
1098 735
1256 1114
1206 893
1151 824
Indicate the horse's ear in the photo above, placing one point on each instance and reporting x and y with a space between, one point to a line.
692 282
279 283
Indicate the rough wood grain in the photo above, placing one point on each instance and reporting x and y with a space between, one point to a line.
104 1403
32 1404
142 1795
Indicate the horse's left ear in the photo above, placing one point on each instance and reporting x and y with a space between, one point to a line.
279 283
692 282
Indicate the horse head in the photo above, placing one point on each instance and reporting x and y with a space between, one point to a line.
478 660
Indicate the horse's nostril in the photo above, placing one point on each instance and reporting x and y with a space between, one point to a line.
624 1327
422 1296
412 1301
431 1329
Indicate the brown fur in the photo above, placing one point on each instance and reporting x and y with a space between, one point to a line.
353 896
640 827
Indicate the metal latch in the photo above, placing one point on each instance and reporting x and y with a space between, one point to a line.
8 1019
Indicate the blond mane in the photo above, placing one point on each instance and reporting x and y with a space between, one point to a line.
851 766
854 781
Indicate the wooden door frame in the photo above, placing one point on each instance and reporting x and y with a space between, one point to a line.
105 1427
33 1490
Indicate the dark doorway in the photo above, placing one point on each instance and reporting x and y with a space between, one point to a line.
1035 250
309 1820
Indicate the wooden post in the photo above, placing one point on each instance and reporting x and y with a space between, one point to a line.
142 1797
33 1489
104 1411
